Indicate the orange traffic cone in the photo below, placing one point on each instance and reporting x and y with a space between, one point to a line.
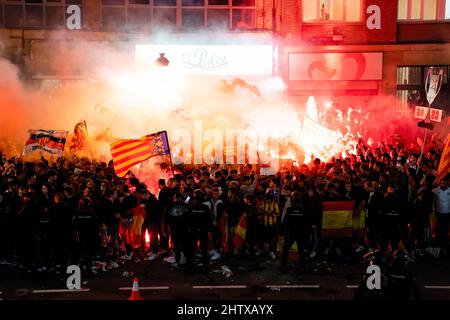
135 293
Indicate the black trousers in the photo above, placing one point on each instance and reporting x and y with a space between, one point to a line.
195 236
155 231
180 241
88 244
291 236
392 232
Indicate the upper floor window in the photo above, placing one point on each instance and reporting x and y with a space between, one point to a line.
329 11
185 15
423 10
35 13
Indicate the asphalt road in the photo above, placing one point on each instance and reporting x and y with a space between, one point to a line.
258 279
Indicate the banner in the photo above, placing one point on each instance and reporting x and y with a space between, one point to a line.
50 141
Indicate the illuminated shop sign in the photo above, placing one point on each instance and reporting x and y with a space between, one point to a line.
335 66
211 59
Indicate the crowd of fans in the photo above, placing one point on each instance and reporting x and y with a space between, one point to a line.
77 211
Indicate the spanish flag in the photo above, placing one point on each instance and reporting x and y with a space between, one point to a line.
340 219
127 153
444 164
240 233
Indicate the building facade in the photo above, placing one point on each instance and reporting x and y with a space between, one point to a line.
353 50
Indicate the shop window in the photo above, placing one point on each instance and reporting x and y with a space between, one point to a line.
411 88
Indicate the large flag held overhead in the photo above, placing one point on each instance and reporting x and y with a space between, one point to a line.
79 139
51 141
126 153
444 164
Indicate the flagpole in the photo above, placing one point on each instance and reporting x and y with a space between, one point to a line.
170 154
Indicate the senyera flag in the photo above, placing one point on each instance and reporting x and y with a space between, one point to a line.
50 141
342 219
127 153
444 164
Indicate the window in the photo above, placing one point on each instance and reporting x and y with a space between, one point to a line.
165 18
329 11
218 19
423 10
35 13
411 88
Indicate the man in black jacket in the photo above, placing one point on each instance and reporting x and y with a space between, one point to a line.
176 219
296 225
392 219
200 223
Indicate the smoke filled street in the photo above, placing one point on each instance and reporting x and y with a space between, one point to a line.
180 151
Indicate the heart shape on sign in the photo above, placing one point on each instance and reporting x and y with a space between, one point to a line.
319 70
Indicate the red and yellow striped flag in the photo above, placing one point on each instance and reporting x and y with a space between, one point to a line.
239 233
444 164
337 220
126 153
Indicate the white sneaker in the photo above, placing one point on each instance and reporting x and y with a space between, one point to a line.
152 257
359 249
272 256
128 257
216 256
212 252
313 254
175 265
112 265
170 259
